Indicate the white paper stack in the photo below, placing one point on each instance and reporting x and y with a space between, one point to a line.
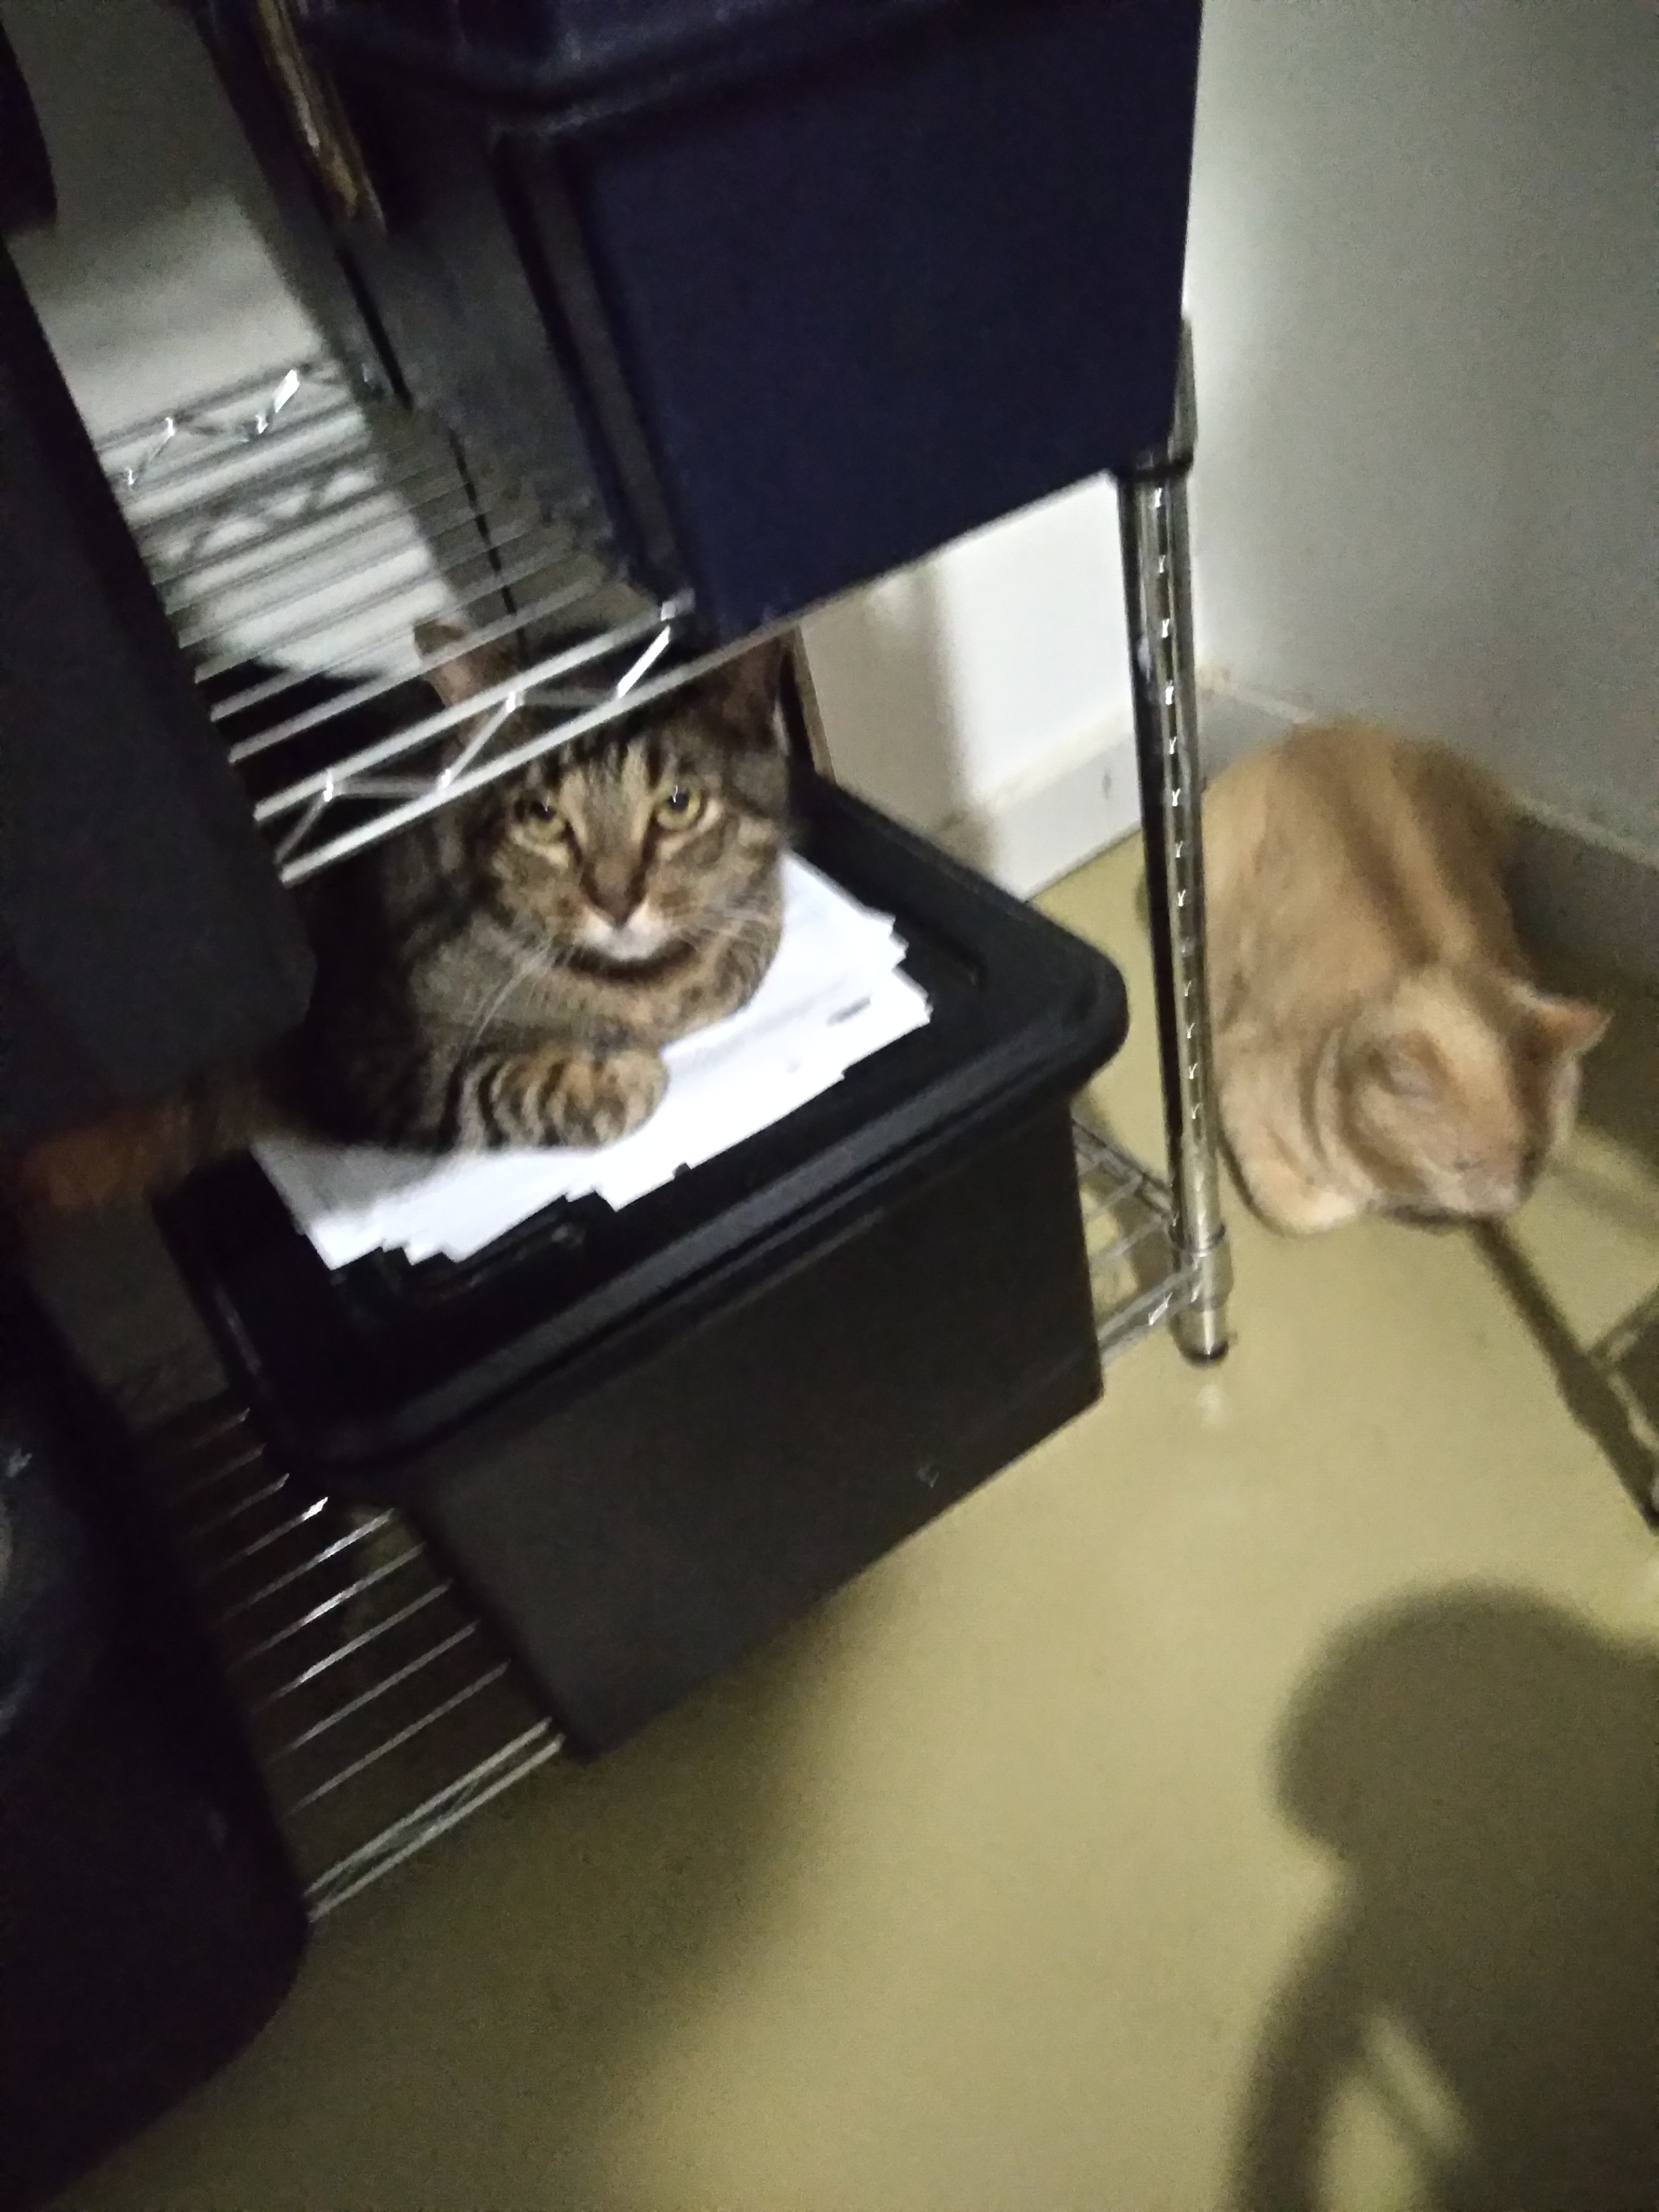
833 995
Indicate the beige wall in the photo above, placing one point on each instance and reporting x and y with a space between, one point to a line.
1424 275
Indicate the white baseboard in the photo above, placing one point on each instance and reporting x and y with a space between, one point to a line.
1083 797
1050 820
1578 892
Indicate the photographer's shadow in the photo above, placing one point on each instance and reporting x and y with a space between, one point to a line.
1484 1767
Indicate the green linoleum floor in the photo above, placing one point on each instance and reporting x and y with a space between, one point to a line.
1245 1803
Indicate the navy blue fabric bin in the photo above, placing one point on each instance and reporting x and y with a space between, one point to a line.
826 286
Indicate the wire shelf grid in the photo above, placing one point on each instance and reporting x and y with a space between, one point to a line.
380 1708
300 528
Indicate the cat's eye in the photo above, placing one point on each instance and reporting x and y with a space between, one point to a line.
680 806
541 816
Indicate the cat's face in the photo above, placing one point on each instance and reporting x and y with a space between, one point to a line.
631 845
1457 1089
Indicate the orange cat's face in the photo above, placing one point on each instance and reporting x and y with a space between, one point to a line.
1455 1090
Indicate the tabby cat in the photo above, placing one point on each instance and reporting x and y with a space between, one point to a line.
506 970
1380 1041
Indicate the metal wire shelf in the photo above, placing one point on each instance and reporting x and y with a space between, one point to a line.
380 1708
298 527
1139 1280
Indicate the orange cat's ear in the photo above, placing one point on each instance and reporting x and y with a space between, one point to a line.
456 671
1566 1029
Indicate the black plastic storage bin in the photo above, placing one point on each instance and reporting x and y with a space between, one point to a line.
645 1439
150 1923
806 288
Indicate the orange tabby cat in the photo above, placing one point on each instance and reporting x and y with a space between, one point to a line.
1380 1043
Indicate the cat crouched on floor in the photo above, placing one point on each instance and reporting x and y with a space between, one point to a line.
1381 1044
507 970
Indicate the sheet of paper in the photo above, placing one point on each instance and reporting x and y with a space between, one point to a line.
833 995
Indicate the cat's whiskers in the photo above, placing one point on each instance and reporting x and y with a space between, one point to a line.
540 959
421 1046
747 915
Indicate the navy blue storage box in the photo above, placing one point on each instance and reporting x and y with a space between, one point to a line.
805 289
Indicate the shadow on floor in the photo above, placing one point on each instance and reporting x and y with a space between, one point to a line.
1599 1392
1621 1076
1483 1769
500 2024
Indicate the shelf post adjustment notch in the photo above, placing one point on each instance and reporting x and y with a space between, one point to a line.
1158 589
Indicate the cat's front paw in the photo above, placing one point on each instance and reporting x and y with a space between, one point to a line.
603 1096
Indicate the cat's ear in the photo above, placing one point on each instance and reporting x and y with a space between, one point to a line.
745 688
1565 1029
456 671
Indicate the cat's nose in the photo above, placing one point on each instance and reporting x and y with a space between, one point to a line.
614 897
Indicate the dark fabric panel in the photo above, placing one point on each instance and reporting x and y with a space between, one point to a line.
583 52
144 934
149 1920
27 194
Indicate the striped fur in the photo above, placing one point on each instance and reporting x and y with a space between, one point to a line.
507 972
483 981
